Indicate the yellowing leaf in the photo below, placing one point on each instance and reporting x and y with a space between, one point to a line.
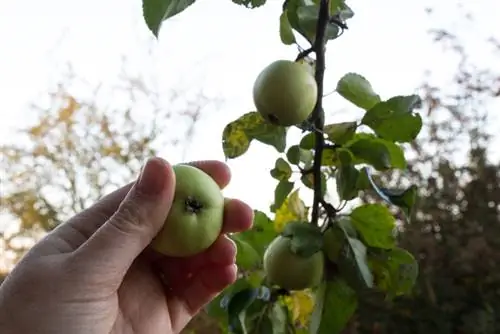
66 113
238 134
293 209
40 150
301 305
37 130
297 206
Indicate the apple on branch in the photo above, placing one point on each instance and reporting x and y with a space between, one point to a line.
292 271
285 92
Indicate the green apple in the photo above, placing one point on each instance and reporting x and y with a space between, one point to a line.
196 216
291 271
285 92
333 243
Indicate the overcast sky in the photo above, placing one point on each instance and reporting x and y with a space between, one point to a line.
221 47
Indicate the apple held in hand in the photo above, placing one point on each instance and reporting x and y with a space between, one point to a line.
196 216
285 92
291 271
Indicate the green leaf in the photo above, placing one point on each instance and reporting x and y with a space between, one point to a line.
291 8
286 32
308 181
330 156
403 198
375 224
261 233
250 3
345 13
297 155
282 170
255 278
282 190
347 226
333 242
353 265
335 237
247 258
339 8
308 142
372 152
306 238
347 178
157 11
380 153
278 314
363 182
344 156
217 308
350 254
293 154
335 304
237 304
396 271
340 133
263 317
307 22
356 89
394 119
238 134
256 318
335 6
405 103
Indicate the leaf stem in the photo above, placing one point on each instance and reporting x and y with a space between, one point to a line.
318 113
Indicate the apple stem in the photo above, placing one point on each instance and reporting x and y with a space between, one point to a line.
318 114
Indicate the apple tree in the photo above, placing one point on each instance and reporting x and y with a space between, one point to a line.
336 256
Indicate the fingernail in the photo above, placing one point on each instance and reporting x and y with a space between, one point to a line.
152 178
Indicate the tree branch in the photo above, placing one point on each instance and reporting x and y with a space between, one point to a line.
318 113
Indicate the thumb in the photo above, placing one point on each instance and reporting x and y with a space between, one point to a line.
137 220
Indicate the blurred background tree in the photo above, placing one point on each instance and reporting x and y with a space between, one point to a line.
78 149
455 230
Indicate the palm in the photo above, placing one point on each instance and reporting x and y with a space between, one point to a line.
142 304
148 305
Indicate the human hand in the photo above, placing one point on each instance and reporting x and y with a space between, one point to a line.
96 274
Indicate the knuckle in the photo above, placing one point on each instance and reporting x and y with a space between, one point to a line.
128 217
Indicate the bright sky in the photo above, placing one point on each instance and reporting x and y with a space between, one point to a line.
222 46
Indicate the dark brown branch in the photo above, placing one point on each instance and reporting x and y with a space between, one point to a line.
318 113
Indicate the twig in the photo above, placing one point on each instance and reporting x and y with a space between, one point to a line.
304 53
330 209
331 146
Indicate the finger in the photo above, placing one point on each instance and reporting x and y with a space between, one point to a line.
207 285
79 228
218 170
238 216
136 221
222 252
